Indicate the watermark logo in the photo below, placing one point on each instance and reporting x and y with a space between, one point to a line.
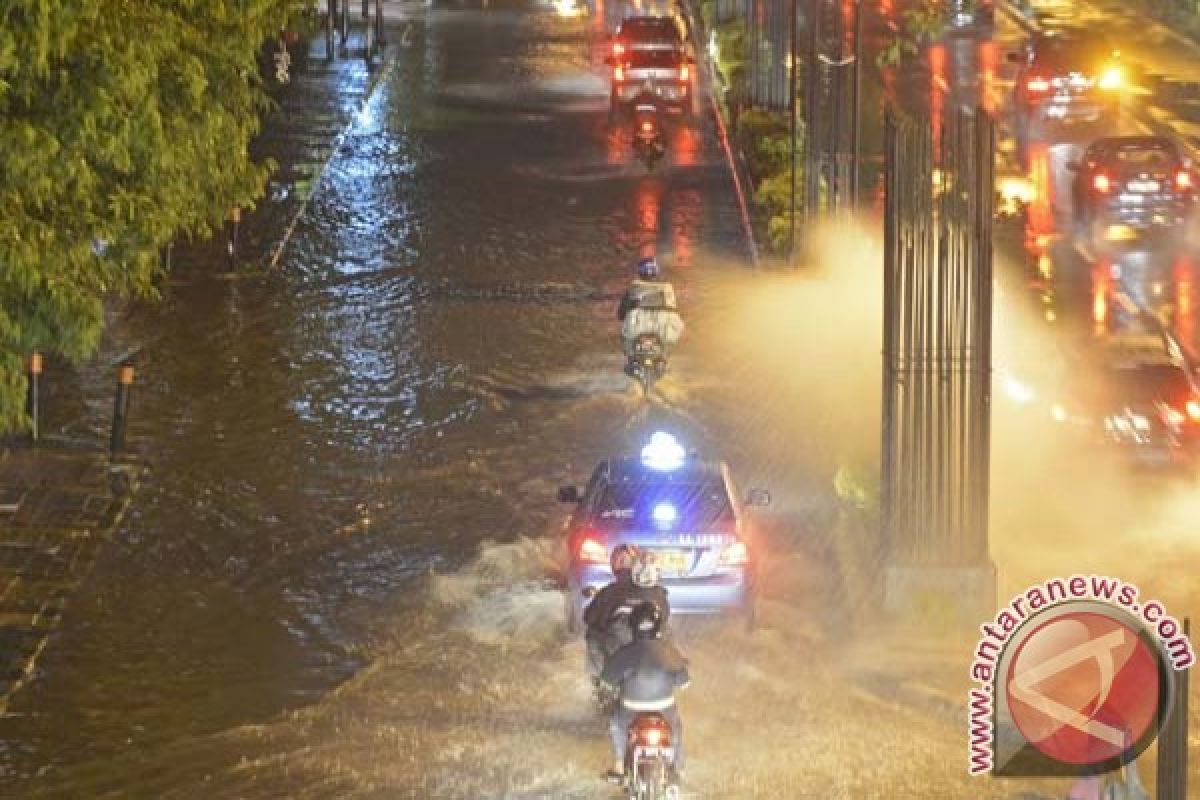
1075 677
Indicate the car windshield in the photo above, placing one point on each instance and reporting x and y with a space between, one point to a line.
1144 155
650 30
655 59
692 505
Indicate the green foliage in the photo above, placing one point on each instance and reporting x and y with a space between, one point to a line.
924 22
764 137
123 126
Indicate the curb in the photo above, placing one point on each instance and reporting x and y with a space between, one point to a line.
737 171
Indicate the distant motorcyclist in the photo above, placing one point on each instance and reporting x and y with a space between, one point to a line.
644 675
635 574
649 306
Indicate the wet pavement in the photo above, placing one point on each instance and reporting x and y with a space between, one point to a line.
340 577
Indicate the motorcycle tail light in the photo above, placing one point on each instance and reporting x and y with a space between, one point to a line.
1193 410
618 49
592 551
1183 179
619 74
735 554
1037 85
648 126
1101 183
652 736
684 74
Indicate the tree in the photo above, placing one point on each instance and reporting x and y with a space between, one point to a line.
124 125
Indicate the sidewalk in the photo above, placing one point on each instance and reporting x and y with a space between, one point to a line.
57 508
60 502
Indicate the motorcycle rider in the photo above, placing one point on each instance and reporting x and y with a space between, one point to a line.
635 580
649 306
644 675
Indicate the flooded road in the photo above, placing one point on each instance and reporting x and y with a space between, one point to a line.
341 577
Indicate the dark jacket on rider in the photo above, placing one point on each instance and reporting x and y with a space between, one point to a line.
601 612
646 672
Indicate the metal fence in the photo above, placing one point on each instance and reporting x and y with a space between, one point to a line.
768 45
937 339
727 10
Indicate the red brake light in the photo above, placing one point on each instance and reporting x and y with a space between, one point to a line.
1037 85
1101 183
619 73
652 736
647 126
618 48
592 551
1193 410
735 554
1183 179
684 74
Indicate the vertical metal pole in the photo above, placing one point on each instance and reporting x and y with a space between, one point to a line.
1172 770
855 109
792 108
986 139
34 400
379 40
116 442
836 111
890 267
812 87
235 219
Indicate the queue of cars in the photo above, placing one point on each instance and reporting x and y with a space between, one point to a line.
1133 391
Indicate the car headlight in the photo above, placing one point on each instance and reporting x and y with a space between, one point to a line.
1111 78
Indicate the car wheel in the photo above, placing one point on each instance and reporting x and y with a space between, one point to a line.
572 612
750 615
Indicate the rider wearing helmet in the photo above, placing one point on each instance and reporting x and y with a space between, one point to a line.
635 580
649 306
644 675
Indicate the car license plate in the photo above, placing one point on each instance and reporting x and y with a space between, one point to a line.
674 562
1143 186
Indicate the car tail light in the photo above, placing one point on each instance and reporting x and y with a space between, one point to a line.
652 736
592 551
618 49
1193 410
684 73
619 74
1183 179
1037 85
735 554
1101 183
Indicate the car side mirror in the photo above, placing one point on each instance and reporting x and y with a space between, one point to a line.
568 494
1074 166
758 497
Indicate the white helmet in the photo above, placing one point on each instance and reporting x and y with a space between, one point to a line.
645 570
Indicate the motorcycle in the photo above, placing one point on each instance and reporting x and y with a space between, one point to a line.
649 144
648 363
649 755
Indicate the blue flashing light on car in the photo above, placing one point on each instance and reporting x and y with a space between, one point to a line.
665 514
663 452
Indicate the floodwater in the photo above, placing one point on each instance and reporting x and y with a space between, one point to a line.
340 579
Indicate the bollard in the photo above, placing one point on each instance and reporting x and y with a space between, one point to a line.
120 410
33 406
235 219
330 17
